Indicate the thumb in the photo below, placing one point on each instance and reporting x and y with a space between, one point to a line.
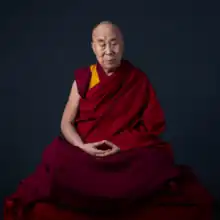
108 142
98 143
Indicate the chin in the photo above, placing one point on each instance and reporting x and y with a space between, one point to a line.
113 65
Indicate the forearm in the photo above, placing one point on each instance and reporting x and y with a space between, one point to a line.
71 135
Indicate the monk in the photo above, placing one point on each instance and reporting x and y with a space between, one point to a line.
110 152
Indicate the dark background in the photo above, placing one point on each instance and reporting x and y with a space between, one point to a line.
175 43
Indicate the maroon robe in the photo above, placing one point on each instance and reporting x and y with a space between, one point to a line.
123 109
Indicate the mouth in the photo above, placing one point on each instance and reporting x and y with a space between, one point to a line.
111 61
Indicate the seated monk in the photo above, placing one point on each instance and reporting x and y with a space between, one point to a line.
110 156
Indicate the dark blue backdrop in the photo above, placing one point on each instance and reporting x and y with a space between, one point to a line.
175 43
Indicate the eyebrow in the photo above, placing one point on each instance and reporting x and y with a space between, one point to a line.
102 40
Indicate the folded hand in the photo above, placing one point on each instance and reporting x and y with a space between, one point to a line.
93 148
101 148
113 149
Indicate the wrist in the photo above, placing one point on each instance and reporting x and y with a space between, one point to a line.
80 145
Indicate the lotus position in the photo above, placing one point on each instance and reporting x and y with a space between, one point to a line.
110 150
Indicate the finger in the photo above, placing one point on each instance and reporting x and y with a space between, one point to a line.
101 155
98 151
95 151
112 145
109 143
106 152
114 150
101 142
98 143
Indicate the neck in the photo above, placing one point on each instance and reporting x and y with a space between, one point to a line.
109 72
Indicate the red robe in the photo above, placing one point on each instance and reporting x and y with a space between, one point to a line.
123 109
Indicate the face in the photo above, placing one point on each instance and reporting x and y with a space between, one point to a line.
108 46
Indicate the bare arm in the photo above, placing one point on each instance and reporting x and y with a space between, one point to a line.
70 132
69 115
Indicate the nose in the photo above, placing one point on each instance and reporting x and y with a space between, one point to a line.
108 49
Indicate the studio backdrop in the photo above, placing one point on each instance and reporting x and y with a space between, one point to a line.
43 42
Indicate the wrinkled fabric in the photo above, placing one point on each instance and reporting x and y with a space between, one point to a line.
123 109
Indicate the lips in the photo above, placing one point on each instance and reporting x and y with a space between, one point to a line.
110 61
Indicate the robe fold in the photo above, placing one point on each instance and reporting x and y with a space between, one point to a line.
121 108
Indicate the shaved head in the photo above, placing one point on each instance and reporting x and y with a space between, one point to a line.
106 24
107 44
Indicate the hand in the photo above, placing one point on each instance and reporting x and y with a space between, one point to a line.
112 150
92 148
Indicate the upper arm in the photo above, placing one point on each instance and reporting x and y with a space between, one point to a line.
72 104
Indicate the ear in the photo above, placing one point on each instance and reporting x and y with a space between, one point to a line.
93 46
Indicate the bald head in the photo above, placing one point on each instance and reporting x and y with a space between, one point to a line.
106 25
107 44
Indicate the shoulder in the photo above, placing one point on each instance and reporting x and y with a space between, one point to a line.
82 72
81 75
82 78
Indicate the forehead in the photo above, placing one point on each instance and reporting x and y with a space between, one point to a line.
106 31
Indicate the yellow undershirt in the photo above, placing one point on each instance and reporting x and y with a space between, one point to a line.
94 76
